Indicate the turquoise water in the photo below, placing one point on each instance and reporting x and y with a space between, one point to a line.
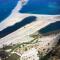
51 7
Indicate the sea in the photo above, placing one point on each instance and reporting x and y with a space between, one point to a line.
46 7
49 7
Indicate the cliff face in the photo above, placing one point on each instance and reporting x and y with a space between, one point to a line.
54 54
38 47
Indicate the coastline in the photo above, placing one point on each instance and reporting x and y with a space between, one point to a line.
28 35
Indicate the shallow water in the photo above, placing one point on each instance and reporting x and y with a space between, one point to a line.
17 26
6 7
51 27
33 6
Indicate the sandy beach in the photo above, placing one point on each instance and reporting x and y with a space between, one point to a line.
23 34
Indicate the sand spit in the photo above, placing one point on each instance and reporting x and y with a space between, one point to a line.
27 36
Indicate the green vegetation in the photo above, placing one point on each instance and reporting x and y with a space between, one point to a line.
13 57
35 40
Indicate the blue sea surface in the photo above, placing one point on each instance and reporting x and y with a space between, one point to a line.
51 7
6 7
